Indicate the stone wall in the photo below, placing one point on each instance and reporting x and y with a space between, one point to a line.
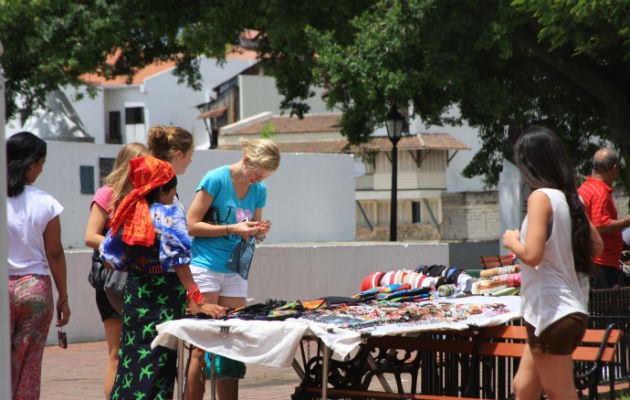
403 233
470 216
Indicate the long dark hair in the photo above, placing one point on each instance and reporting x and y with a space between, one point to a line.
543 161
23 149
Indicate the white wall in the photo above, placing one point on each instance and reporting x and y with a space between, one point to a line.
91 111
310 198
259 94
279 271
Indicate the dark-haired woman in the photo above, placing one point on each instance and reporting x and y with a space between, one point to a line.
34 253
148 238
555 245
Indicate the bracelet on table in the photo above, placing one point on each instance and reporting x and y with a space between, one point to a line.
194 294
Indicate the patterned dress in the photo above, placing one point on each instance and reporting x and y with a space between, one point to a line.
153 295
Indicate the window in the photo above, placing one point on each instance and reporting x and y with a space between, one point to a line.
134 125
114 136
134 115
105 166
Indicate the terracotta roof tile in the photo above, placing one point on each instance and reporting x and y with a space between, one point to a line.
138 78
310 123
440 141
215 112
235 53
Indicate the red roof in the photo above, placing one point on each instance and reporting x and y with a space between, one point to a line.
215 112
435 141
236 53
310 123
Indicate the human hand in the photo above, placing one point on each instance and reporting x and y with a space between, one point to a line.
63 312
245 229
510 237
265 226
215 310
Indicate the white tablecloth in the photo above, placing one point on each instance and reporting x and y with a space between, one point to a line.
274 343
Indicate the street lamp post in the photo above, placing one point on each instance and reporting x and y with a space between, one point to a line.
394 124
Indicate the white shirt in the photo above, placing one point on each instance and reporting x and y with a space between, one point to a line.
553 289
28 215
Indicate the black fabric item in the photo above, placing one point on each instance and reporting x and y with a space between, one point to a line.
334 300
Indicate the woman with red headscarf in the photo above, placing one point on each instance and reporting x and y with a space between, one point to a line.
148 238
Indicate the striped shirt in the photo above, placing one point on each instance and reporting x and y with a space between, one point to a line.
600 209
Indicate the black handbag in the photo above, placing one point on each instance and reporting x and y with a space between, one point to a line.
98 272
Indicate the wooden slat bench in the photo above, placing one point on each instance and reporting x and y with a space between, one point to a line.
451 363
495 261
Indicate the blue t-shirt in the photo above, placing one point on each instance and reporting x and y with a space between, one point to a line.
213 252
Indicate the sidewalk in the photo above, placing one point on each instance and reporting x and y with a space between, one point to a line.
76 373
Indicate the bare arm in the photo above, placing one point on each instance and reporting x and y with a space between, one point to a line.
57 264
185 277
538 213
615 225
598 243
196 227
96 223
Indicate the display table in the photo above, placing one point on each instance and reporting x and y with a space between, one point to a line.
275 343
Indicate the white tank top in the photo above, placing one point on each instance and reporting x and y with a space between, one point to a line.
553 289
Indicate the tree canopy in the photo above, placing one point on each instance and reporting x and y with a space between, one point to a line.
505 64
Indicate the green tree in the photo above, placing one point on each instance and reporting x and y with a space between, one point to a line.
505 64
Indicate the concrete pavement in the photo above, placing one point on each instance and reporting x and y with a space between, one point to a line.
76 373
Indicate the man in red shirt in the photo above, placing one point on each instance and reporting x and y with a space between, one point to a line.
600 209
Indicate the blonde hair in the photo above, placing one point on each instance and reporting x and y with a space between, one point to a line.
164 141
262 153
118 179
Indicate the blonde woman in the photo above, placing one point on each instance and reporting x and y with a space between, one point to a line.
105 201
172 144
227 208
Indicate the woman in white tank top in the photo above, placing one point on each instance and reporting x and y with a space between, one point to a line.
555 245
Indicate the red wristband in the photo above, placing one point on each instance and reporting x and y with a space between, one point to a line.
194 294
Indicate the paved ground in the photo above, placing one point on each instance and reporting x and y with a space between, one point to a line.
76 373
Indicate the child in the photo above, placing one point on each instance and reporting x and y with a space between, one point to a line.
555 248
148 238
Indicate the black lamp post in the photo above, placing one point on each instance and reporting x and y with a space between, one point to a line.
394 124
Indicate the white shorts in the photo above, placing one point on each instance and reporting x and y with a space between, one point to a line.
228 285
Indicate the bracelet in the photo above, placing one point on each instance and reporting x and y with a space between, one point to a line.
227 229
194 294
60 304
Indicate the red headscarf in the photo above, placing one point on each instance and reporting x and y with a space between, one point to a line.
146 173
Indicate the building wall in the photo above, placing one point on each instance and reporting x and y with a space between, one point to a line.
310 197
470 216
259 94
281 271
91 111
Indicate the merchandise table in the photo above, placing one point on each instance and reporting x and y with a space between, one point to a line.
275 343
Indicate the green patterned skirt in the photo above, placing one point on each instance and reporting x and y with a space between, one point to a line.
144 373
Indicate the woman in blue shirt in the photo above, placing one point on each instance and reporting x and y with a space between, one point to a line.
226 210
